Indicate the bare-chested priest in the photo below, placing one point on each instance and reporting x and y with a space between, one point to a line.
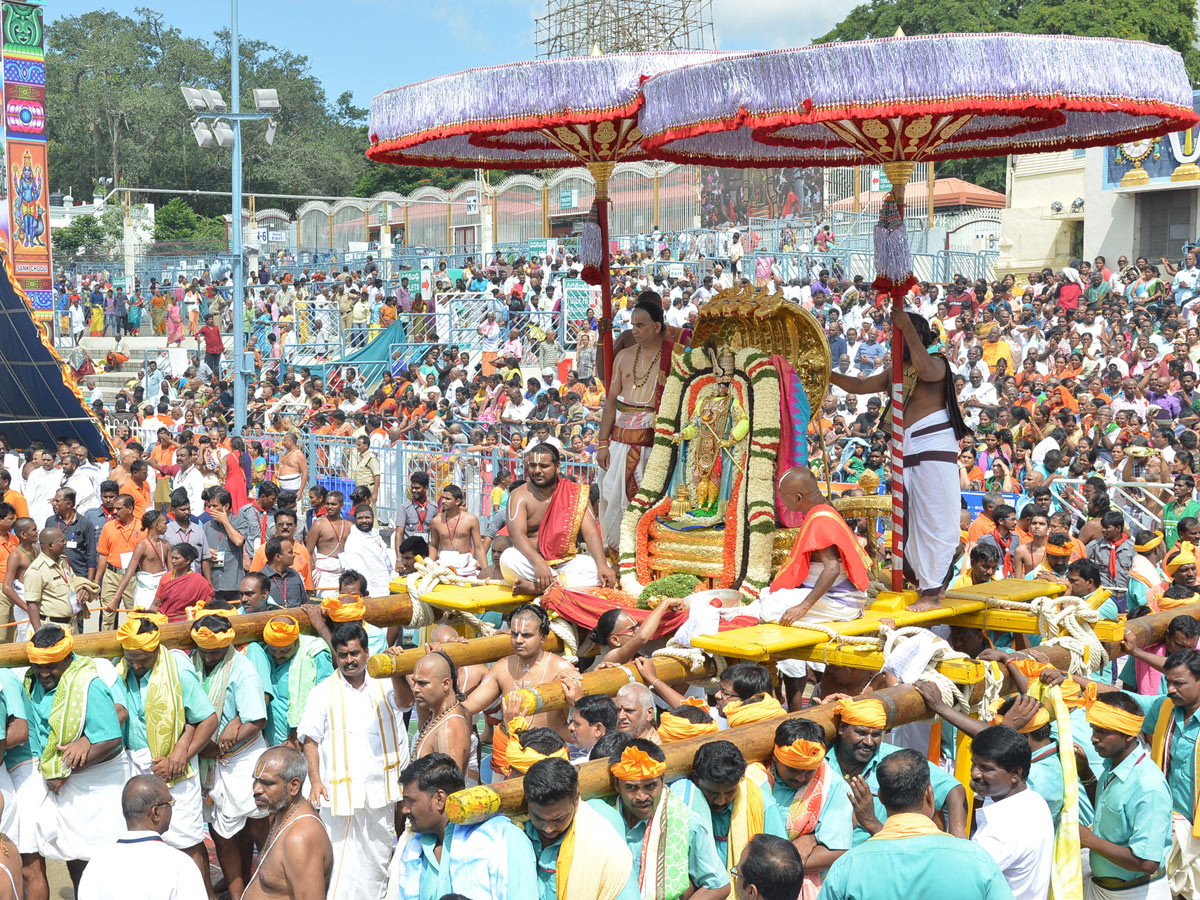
325 542
548 515
297 860
454 536
933 426
530 664
444 725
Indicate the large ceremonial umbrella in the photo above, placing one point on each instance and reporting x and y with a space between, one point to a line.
899 101
554 113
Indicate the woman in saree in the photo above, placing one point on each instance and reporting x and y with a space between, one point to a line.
96 325
181 587
158 312
137 303
174 323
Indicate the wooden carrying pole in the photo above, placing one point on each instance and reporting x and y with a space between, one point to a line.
395 609
1153 628
549 695
472 653
903 705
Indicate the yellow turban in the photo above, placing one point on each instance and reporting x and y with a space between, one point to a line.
344 608
1040 719
521 758
157 618
635 765
1074 696
281 631
1183 557
756 709
865 713
1106 716
207 639
1150 544
673 728
129 638
42 656
802 754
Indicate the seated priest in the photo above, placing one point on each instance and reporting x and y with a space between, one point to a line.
548 516
825 577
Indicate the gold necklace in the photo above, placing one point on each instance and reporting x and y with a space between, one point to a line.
650 368
432 724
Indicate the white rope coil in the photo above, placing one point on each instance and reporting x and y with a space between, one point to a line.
568 635
1067 622
696 661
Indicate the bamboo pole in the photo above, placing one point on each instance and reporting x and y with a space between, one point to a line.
757 742
549 695
1153 628
395 609
472 653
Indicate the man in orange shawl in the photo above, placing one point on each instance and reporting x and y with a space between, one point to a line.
547 517
825 577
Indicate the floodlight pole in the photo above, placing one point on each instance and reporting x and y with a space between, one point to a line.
240 386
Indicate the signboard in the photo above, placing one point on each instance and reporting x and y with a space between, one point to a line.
259 236
675 270
568 198
543 246
277 237
473 205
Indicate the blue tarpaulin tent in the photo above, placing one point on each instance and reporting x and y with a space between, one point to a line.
38 401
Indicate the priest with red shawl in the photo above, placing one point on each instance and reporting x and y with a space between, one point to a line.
825 577
548 517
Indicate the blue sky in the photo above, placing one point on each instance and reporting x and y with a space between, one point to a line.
368 46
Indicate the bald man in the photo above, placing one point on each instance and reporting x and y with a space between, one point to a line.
635 712
825 577
444 726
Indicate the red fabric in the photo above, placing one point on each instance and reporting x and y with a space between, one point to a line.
558 534
822 527
784 517
1112 556
235 481
212 339
584 608
174 596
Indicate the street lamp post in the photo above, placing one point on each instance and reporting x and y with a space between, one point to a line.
226 131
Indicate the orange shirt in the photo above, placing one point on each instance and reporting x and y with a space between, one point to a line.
302 563
17 499
162 456
143 497
6 547
981 526
116 540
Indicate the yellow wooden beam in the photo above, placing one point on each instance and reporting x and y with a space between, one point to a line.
473 599
960 671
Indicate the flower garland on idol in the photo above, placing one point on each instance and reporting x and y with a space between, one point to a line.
750 515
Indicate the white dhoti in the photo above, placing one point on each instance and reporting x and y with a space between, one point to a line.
291 482
577 572
147 587
1183 860
326 571
231 801
85 815
187 815
1155 890
633 433
462 563
932 499
362 850
28 806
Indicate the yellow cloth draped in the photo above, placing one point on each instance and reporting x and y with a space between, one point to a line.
746 819
602 870
165 715
673 728
281 631
905 825
1066 875
1159 747
207 639
129 638
44 656
756 709
521 758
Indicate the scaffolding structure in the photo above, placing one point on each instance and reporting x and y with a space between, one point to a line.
578 27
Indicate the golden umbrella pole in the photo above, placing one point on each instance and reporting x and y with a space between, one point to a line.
395 609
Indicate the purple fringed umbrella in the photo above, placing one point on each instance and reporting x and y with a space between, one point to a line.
553 113
899 101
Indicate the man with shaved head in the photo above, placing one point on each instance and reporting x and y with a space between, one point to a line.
444 725
297 861
140 865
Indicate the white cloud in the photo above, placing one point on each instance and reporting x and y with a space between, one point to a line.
771 24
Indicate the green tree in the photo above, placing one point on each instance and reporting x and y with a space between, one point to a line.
174 221
84 233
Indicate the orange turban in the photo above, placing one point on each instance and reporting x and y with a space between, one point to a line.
1040 719
738 712
676 728
207 639
635 765
1062 551
344 608
42 656
697 702
281 631
801 755
1074 696
157 618
1106 716
129 638
1030 667
865 713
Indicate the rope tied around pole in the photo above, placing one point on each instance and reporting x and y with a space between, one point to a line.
1066 622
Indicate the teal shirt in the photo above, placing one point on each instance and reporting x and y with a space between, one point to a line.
835 820
1046 778
19 706
547 866
437 881
685 789
1181 751
773 824
1081 736
943 783
705 868
275 681
1133 809
100 721
195 702
244 697
929 867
